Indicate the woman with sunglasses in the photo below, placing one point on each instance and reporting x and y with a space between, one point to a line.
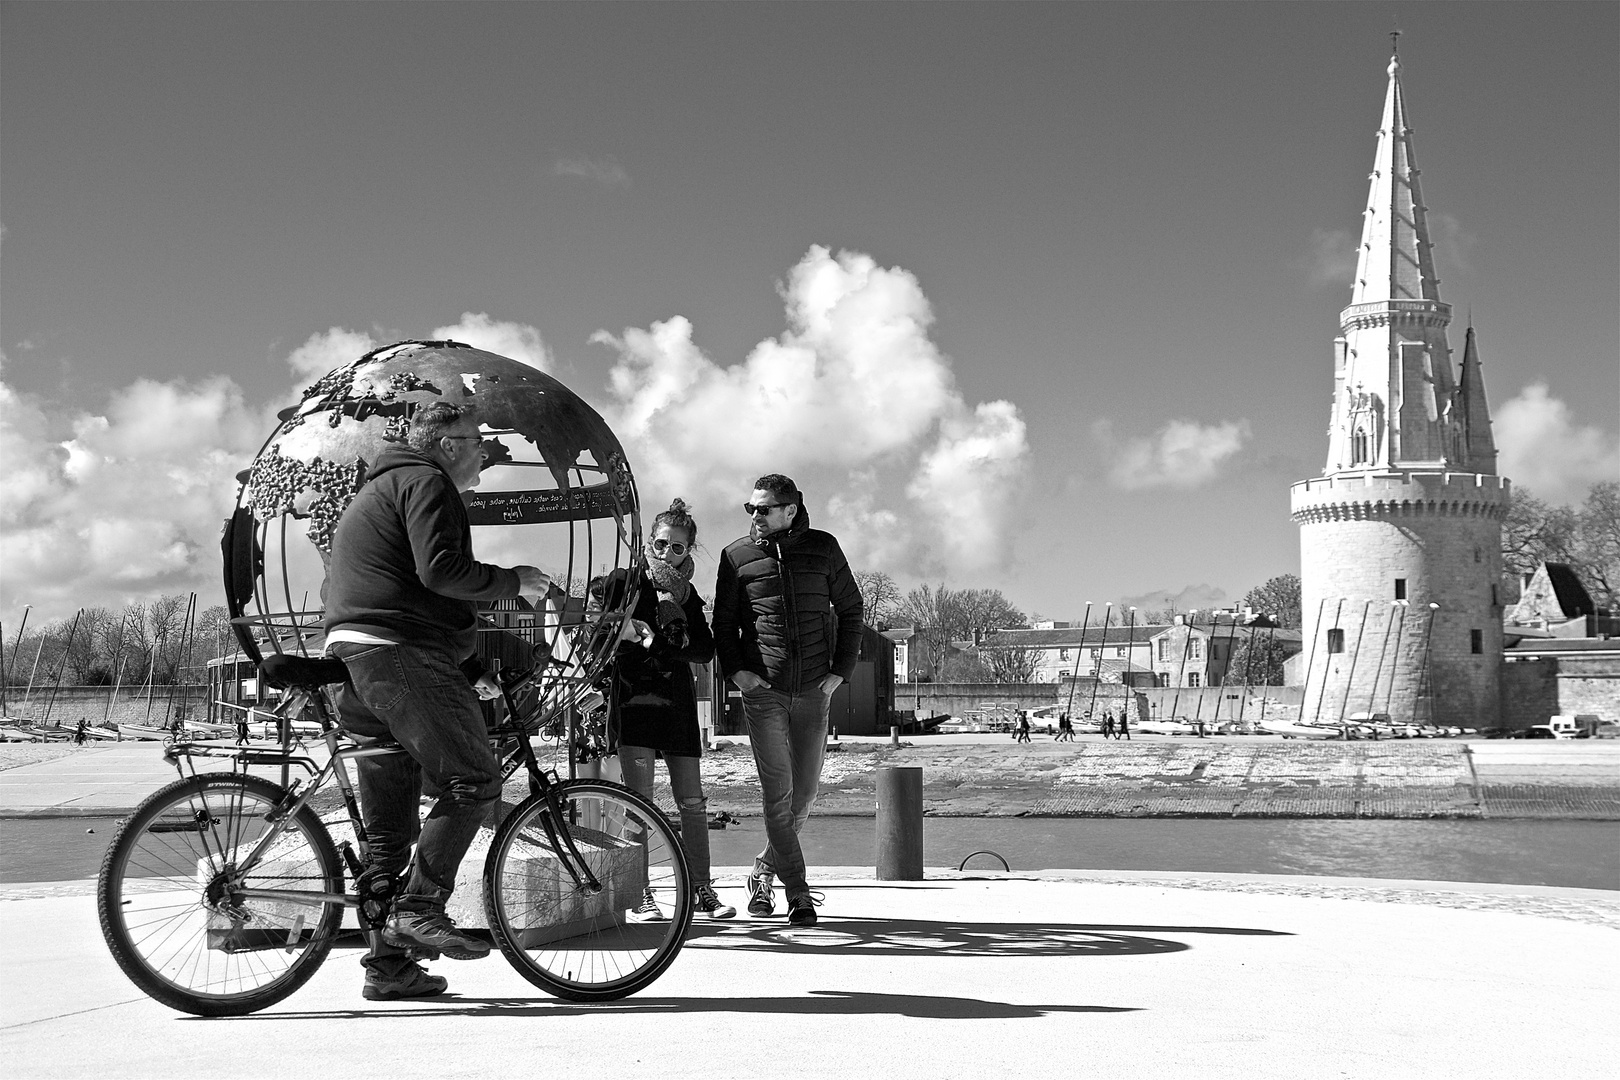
654 703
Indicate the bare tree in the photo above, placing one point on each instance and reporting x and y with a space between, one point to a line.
87 658
880 597
943 615
1598 544
1010 663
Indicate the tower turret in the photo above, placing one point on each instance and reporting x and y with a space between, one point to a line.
1478 445
1400 538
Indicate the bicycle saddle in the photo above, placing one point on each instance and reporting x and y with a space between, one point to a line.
285 671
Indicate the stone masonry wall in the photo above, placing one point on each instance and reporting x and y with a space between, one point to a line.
1442 536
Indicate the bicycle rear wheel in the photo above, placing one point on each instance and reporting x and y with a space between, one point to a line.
558 933
172 904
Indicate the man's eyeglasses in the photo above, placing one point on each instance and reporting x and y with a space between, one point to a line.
674 547
753 509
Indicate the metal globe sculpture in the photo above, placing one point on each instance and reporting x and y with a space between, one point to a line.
556 492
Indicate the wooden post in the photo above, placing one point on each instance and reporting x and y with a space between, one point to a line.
899 823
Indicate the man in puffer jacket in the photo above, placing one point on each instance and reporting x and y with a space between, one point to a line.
787 631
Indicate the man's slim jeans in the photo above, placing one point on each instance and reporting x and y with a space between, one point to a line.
421 700
789 735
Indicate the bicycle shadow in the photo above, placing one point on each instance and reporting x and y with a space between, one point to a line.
817 1003
922 937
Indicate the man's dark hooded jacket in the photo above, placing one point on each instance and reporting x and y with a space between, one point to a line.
402 566
786 607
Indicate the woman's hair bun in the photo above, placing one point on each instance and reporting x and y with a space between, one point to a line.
678 506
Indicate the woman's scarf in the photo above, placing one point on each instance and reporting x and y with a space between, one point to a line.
672 582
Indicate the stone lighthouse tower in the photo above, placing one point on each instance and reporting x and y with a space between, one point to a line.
1400 548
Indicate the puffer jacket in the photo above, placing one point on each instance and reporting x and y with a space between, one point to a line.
786 607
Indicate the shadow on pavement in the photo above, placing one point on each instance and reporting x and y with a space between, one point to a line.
925 938
818 1003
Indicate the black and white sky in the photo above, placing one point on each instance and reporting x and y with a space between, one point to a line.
1036 297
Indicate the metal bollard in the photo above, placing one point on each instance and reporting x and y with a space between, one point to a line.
899 823
894 736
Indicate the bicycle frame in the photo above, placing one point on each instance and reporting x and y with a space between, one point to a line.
341 751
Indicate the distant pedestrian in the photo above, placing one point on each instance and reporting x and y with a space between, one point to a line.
241 728
1108 725
1023 729
1124 729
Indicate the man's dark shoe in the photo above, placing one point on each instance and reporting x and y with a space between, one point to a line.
432 930
410 982
761 900
802 909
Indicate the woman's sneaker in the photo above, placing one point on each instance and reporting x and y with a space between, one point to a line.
410 982
761 900
648 910
802 908
709 904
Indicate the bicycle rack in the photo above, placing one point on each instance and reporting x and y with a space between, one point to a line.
1005 868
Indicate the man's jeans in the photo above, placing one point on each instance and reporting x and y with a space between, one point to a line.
420 699
789 736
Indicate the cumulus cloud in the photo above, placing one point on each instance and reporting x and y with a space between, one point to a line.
328 350
604 171
515 340
1330 257
99 508
1183 454
853 400
1541 447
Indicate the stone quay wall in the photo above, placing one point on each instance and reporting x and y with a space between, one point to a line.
126 705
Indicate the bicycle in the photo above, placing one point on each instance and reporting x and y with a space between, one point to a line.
223 892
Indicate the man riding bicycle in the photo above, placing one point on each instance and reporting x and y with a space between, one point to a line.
401 614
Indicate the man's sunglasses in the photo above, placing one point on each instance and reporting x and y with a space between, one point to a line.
751 509
674 547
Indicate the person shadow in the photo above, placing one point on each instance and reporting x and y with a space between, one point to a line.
900 937
888 937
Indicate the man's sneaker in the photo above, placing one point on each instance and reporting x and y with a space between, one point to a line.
648 910
761 901
802 909
432 930
411 982
709 904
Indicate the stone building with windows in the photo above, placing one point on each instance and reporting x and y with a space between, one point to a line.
1400 552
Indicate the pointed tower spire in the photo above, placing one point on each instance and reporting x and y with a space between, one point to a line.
1396 261
1394 394
1478 445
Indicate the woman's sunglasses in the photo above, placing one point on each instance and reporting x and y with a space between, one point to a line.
674 547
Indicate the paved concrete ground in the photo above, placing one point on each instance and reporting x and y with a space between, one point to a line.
1078 974
1105 974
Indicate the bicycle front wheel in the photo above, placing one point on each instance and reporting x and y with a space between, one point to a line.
596 936
182 912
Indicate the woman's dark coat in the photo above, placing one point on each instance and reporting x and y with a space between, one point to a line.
654 702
